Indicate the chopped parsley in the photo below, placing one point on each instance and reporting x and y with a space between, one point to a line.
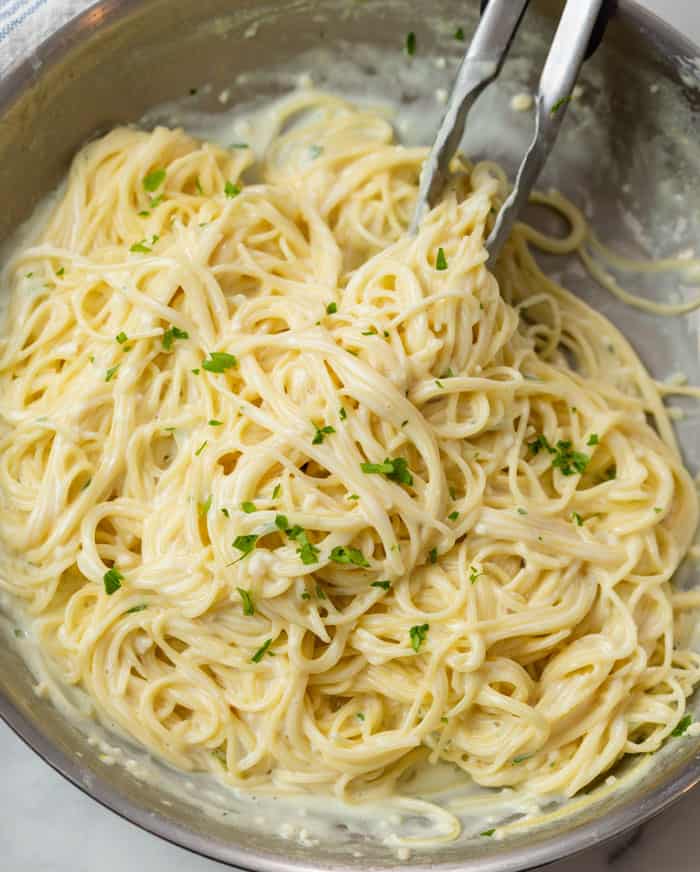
201 448
432 555
410 44
282 523
214 423
395 469
372 331
111 372
144 246
198 187
239 145
577 519
439 383
321 433
277 491
225 512
522 511
112 581
360 716
331 308
231 190
153 180
521 758
247 599
343 554
306 595
557 106
565 458
453 516
219 361
61 271
171 334
593 439
262 651
459 34
342 414
474 573
307 552
245 544
418 635
204 507
658 510
353 496
121 337
441 260
487 833
385 585
448 373
134 609
682 726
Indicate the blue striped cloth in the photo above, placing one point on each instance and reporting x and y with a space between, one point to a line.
25 24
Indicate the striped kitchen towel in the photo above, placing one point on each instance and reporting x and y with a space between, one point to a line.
24 24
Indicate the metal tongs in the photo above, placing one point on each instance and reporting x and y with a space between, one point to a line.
579 31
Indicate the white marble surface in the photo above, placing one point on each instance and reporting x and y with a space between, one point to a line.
46 825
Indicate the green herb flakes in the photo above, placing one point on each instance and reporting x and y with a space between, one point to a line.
204 507
247 600
262 651
459 34
418 635
474 573
111 372
201 448
343 554
248 507
432 555
245 544
453 516
557 106
231 190
577 519
441 260
385 585
153 180
593 439
219 361
121 337
682 726
395 469
277 491
410 44
134 609
331 308
112 580
171 334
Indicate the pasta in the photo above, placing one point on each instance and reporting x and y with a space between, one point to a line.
305 501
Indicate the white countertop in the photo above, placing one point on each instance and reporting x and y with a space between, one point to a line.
46 825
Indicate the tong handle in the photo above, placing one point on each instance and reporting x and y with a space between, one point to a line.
561 69
481 65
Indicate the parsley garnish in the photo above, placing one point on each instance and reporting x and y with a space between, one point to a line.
343 554
171 334
371 332
331 308
225 512
418 634
219 361
360 716
487 833
459 34
411 44
61 271
565 458
559 104
353 496
248 507
522 511
138 608
521 758
112 580
277 491
385 585
593 439
321 433
342 414
262 650
439 383
201 448
682 726
198 187
245 544
153 180
248 607
441 260
577 519
307 552
453 516
306 595
121 337
432 555
396 469
231 190
144 246
111 372
214 423
474 573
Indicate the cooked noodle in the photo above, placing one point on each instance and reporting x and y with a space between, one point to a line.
195 369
